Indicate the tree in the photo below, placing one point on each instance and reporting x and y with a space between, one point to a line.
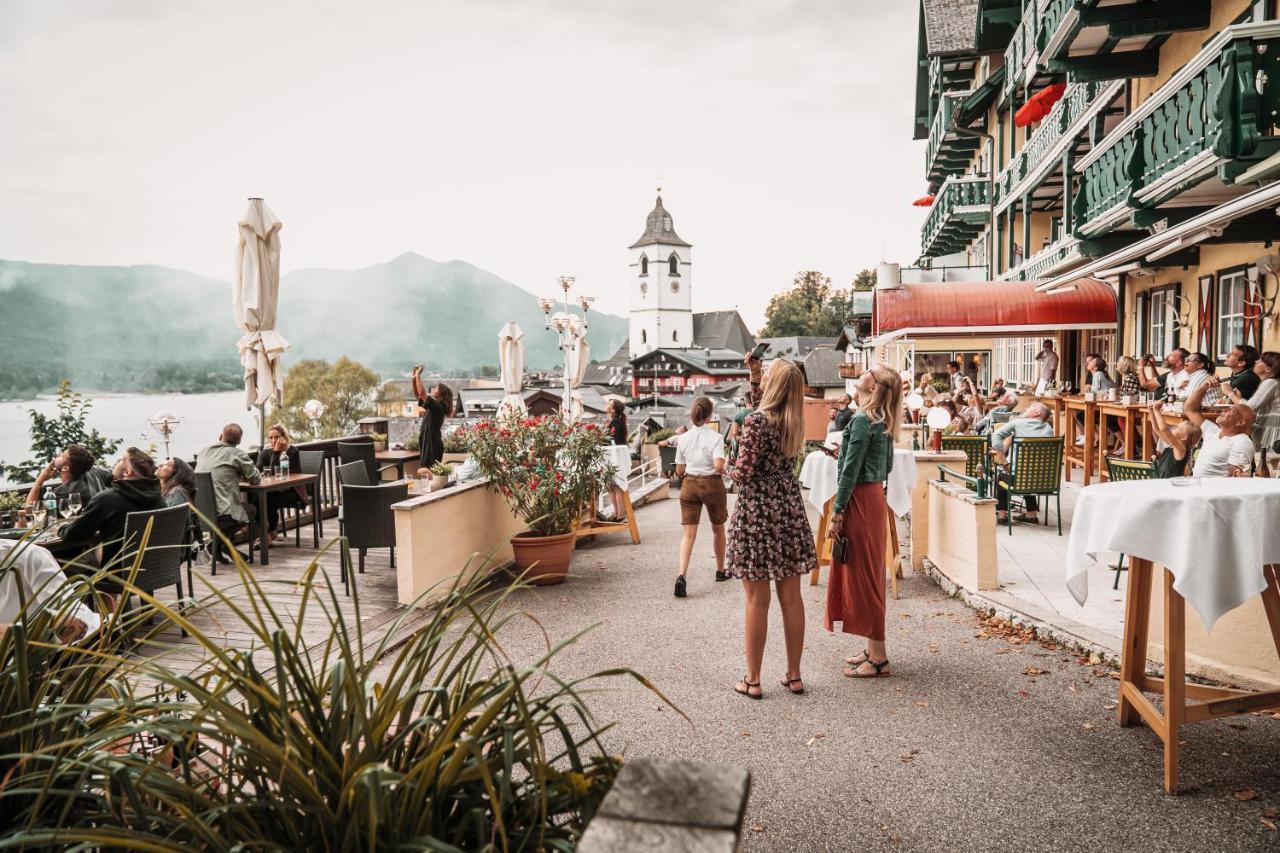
51 435
809 307
348 389
864 281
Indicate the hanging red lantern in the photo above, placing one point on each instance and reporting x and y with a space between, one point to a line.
923 201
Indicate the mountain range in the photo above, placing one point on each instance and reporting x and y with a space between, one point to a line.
151 328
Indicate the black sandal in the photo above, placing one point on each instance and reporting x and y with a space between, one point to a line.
858 661
878 667
787 682
749 685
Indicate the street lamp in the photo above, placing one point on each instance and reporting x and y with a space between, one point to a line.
314 410
570 329
163 422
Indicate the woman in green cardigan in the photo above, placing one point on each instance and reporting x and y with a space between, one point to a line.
860 515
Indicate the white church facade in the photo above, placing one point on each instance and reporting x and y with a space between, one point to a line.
661 287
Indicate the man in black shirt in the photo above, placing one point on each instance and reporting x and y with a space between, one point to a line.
841 414
1241 360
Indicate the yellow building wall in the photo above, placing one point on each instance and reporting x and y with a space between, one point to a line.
1181 47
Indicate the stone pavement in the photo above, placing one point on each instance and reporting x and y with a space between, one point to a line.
961 749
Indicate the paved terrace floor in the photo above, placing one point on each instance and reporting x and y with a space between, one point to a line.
961 749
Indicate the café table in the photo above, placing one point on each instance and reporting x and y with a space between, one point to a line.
1072 455
266 486
819 475
1215 539
1054 402
1134 443
396 458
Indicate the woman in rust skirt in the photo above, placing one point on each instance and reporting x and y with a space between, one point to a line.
860 520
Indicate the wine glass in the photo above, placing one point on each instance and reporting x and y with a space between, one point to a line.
74 501
39 513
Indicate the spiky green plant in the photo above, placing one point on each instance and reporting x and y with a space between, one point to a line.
439 741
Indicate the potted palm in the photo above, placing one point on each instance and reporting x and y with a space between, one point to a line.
548 469
440 475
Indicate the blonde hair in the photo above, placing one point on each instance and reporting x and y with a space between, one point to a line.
1127 364
783 404
884 403
284 433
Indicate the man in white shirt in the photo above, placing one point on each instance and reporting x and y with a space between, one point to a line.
30 576
700 462
957 378
1226 448
1048 366
1175 381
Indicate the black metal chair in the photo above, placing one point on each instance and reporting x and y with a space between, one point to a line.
362 451
161 562
312 462
367 522
206 516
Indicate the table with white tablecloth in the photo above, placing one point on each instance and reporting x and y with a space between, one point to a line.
1218 544
820 476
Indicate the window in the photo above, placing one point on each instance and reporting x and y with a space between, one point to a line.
644 336
673 265
1229 305
1158 332
644 265
1014 360
673 338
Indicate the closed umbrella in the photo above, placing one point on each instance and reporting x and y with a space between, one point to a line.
579 358
255 298
511 362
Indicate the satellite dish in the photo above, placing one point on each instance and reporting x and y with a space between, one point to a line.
938 418
915 402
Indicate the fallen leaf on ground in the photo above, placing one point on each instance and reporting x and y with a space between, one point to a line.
923 704
1270 813
1095 659
759 827
1032 670
1269 824
1088 727
1244 795
1072 687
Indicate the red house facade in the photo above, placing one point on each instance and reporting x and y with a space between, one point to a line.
683 371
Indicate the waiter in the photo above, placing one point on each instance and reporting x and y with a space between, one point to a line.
1048 366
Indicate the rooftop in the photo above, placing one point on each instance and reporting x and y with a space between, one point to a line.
950 26
658 229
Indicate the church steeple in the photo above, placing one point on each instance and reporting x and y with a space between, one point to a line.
658 229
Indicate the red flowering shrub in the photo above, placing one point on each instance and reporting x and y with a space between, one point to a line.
547 468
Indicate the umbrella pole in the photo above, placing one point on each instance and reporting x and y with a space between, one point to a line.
262 425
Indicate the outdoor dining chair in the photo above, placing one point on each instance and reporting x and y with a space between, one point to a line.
362 451
975 449
1036 468
206 521
161 562
1120 470
311 462
368 522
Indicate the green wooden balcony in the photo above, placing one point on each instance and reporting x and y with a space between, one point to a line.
1021 51
1042 153
947 153
1056 257
1191 138
961 208
1093 40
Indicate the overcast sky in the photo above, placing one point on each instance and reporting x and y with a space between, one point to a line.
525 137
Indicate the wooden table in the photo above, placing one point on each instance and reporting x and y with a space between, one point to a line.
1135 434
1054 402
266 486
1081 456
396 458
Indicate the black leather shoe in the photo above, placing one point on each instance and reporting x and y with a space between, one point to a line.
680 587
721 576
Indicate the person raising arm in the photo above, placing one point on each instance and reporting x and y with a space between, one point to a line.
1227 449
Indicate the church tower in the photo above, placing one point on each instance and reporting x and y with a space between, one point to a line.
661 287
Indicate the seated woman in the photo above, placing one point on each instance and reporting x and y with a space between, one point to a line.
959 424
1178 440
177 483
31 579
269 457
76 471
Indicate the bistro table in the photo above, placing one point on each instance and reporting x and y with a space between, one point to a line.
1072 455
1216 539
266 486
396 458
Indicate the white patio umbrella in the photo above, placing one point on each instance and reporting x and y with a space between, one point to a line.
255 298
511 362
579 358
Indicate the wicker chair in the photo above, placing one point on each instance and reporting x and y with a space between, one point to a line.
161 562
1036 466
353 474
312 462
1118 471
975 449
368 522
362 451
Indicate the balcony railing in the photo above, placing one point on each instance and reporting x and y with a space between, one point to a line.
1051 15
1051 259
947 153
1213 117
960 210
1066 121
1021 49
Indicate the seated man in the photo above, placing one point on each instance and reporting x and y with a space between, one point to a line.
1226 449
1033 423
77 472
31 578
1006 402
228 465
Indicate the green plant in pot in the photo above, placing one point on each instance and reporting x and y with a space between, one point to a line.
379 441
440 473
549 469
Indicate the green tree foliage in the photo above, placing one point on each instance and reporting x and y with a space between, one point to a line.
51 434
809 307
864 281
348 389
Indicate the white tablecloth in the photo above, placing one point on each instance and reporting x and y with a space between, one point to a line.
818 474
1214 537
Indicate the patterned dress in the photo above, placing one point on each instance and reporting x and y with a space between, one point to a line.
769 534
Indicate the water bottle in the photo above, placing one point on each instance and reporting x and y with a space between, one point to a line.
50 505
284 465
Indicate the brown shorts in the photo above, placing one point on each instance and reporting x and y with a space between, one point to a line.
698 491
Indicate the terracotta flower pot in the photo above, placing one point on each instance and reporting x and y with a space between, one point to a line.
545 557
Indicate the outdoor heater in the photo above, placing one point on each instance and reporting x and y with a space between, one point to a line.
163 422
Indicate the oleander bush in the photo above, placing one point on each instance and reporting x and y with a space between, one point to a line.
439 743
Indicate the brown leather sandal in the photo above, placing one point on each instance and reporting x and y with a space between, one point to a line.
877 666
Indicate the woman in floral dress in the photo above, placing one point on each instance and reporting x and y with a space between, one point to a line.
770 540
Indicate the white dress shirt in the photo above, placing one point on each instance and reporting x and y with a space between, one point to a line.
698 449
43 584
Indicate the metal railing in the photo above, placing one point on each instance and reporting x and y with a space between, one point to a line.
960 202
977 484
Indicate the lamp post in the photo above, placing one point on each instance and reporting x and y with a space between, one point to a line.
163 422
314 410
570 329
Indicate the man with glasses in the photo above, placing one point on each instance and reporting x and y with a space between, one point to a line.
1199 368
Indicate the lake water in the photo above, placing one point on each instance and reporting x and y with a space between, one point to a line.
124 416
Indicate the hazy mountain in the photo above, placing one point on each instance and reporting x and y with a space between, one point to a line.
153 328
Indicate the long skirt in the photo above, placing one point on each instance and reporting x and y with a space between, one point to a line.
855 589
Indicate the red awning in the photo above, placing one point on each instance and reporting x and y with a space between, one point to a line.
993 307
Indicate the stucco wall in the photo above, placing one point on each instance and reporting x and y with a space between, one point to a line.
1181 47
961 540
